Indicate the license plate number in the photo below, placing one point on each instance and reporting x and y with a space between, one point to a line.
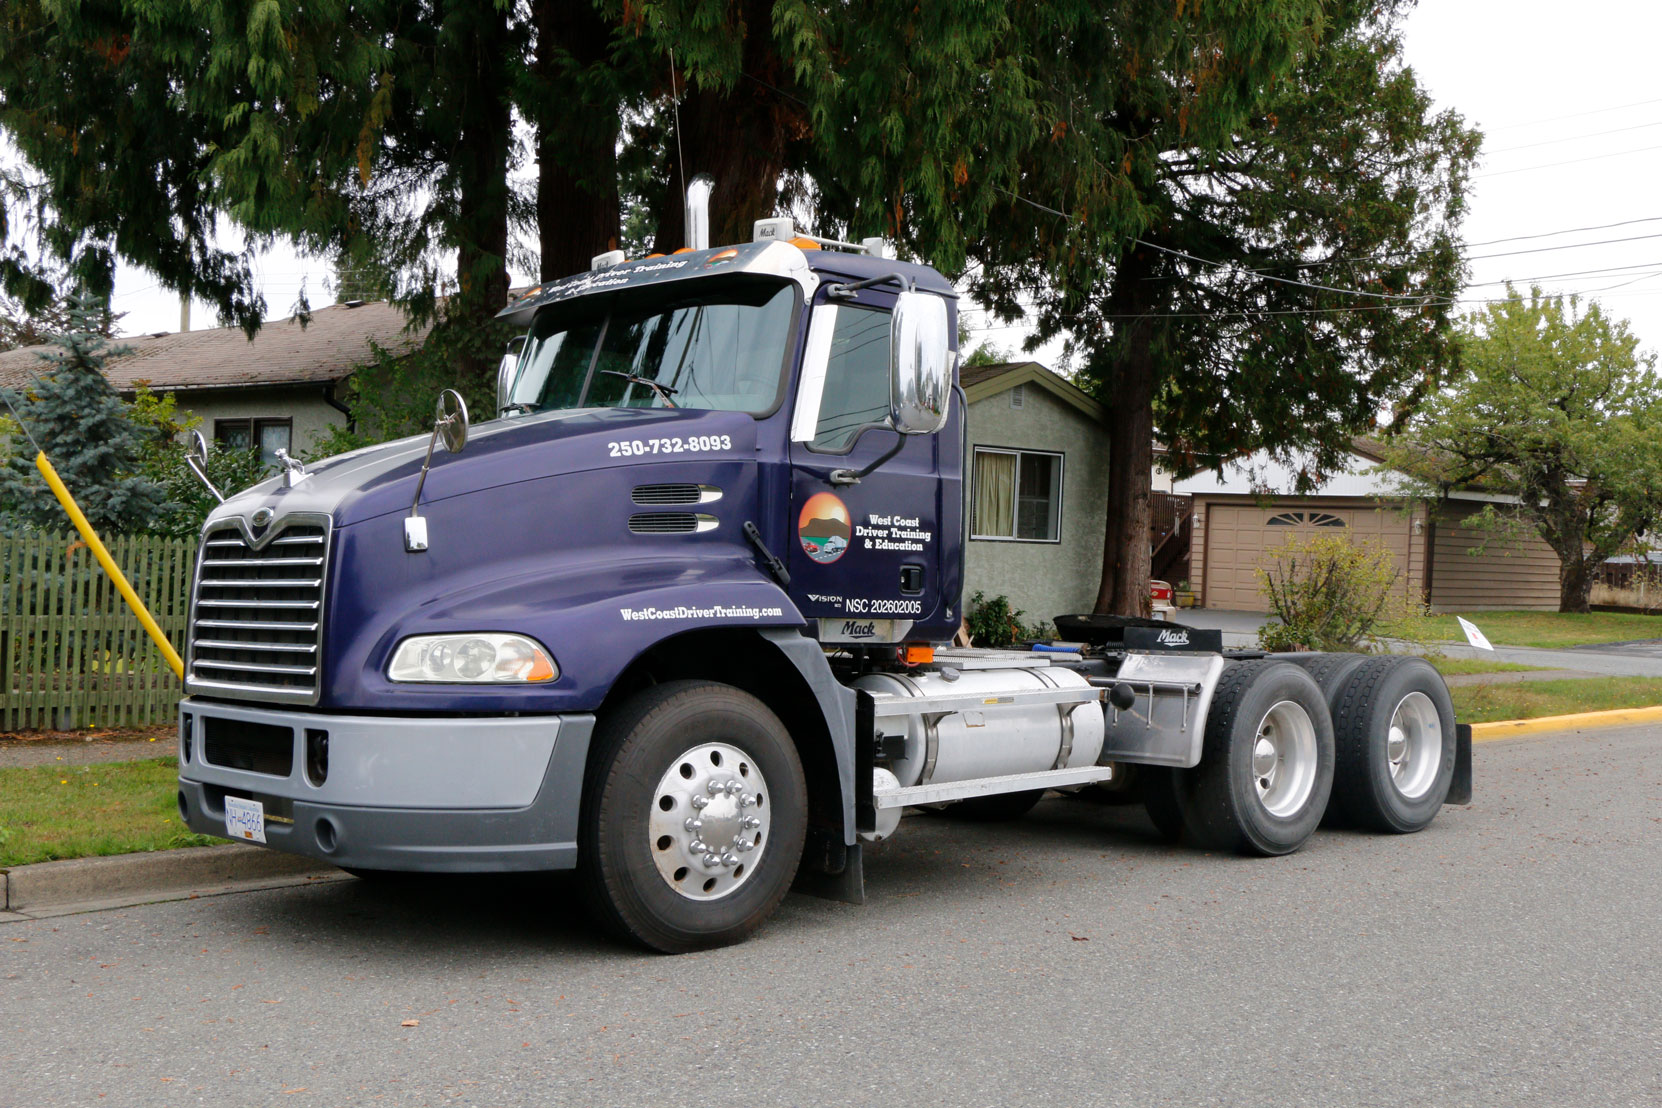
245 819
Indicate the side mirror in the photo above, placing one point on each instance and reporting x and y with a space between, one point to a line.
196 457
505 372
450 421
450 428
920 364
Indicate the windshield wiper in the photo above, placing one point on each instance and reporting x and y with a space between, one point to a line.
663 391
516 407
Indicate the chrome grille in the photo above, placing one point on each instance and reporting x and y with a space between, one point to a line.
648 495
670 523
257 611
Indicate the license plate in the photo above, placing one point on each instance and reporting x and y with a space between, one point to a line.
245 819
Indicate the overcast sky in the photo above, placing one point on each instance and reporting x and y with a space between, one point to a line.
1567 98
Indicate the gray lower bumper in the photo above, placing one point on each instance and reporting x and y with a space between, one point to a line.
397 793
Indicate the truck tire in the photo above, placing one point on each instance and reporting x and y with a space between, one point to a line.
1393 722
694 814
1266 765
1331 671
995 808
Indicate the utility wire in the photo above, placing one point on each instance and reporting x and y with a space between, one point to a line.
1574 138
1571 161
1575 115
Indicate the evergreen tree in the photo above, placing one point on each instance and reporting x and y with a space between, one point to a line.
74 415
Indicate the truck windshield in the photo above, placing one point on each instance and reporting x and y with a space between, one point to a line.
720 348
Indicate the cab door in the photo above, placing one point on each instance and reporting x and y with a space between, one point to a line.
866 558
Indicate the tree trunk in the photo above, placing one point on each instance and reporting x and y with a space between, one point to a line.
739 136
1125 549
482 230
1575 581
577 187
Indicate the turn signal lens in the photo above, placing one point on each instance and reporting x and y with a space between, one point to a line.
480 658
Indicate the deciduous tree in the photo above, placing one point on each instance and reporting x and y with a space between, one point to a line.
1553 406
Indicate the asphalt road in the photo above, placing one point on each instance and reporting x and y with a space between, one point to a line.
1510 955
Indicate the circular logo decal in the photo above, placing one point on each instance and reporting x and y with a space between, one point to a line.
824 528
262 516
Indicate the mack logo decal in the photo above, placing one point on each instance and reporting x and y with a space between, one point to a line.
1173 638
854 629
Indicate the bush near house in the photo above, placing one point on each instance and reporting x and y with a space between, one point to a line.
1332 594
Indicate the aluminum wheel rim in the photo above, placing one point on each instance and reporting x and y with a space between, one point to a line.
1284 759
710 820
1414 745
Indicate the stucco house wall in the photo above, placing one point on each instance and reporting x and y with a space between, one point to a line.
305 405
1043 579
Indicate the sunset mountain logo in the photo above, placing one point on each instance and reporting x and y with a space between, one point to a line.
824 528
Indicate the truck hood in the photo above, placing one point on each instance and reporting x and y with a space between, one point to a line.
379 480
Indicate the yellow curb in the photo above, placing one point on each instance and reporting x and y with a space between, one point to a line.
1515 728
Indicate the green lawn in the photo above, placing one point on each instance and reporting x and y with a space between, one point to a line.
51 812
1533 699
1550 629
1458 667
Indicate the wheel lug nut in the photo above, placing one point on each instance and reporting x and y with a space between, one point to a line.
714 788
746 800
729 859
693 824
697 846
711 861
700 803
746 845
750 823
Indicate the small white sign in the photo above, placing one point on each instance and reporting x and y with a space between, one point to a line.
244 819
1473 635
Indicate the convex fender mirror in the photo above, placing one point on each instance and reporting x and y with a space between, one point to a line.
920 364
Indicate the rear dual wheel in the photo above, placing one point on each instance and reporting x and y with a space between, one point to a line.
1266 764
1394 723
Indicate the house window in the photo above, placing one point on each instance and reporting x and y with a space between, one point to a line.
856 394
1018 396
1018 495
1306 519
270 435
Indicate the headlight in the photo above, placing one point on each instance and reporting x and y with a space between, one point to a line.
480 658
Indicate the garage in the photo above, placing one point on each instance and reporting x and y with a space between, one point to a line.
1239 538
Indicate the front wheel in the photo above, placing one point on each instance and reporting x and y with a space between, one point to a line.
694 815
1266 764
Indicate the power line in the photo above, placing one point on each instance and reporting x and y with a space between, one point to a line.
1571 161
1575 138
1283 280
1575 115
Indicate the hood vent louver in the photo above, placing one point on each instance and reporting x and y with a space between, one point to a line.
654 495
671 523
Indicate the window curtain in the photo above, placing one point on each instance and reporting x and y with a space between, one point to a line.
995 495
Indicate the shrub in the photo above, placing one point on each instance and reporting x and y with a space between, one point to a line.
993 622
1332 594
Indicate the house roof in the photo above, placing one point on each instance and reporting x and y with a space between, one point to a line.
982 381
328 348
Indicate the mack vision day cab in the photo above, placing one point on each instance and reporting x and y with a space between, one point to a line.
678 617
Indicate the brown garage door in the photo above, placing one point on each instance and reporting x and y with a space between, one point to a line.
1238 539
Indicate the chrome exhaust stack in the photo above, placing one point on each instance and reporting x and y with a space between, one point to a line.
698 211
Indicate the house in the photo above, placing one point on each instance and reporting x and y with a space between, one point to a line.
1242 516
1037 486
279 390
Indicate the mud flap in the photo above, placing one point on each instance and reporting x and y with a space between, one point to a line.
1460 787
831 869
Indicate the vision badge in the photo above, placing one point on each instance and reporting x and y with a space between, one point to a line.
824 528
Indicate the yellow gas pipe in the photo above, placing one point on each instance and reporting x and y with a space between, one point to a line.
104 559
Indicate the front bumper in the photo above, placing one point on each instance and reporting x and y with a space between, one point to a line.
446 795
